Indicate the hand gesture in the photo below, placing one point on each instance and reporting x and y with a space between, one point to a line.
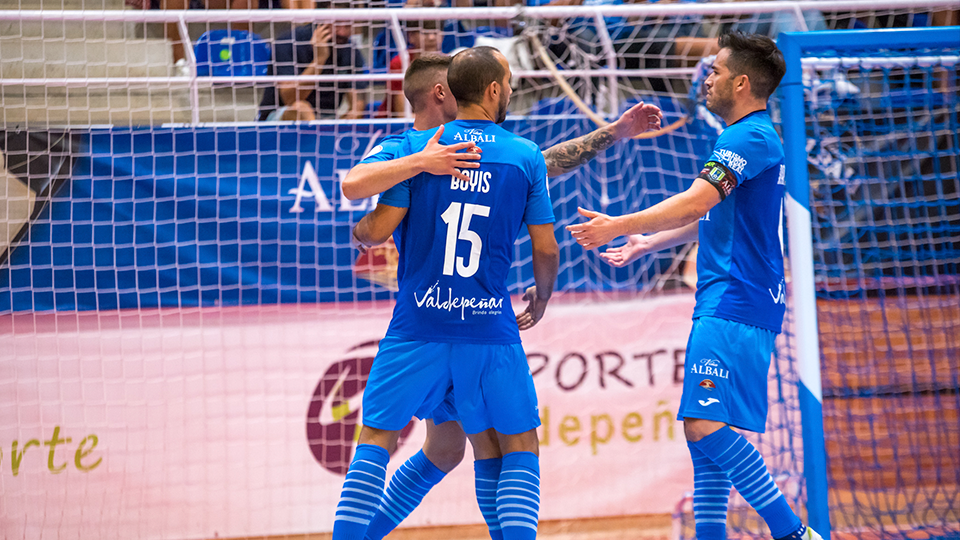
321 43
638 119
596 232
637 245
448 160
530 316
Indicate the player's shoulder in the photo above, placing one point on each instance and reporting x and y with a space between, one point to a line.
521 143
755 126
754 133
385 147
416 140
521 151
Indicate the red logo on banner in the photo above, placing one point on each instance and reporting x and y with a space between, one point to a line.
708 384
333 418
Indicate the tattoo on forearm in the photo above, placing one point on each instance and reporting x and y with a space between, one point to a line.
566 156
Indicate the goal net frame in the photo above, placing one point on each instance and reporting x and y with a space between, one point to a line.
795 46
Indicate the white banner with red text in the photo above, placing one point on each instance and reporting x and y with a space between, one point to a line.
239 422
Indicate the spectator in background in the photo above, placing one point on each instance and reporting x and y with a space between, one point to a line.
315 49
422 37
173 31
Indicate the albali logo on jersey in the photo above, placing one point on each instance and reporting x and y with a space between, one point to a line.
333 418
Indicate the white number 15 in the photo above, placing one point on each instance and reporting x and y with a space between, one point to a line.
451 216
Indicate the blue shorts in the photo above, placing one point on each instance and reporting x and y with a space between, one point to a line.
491 386
446 412
725 373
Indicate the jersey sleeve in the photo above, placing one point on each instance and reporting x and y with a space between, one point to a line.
398 195
740 154
539 209
388 149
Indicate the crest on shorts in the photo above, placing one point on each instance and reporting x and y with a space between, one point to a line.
708 384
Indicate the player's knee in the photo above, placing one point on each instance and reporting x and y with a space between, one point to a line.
445 456
445 445
387 440
695 429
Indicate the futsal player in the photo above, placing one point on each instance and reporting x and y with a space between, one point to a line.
734 208
453 327
425 87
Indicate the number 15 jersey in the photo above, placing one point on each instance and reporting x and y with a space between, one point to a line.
456 241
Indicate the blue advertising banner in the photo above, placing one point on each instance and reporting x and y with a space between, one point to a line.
179 217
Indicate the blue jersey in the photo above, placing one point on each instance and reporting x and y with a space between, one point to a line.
456 241
387 149
740 259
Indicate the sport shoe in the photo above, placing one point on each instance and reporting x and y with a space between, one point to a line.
811 534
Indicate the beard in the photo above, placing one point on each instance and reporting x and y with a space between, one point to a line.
502 108
719 105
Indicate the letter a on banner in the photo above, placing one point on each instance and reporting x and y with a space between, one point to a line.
310 176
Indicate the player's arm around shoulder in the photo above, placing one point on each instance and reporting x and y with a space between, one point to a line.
372 175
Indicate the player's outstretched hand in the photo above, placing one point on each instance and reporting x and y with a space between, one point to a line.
448 160
530 316
599 230
638 119
637 245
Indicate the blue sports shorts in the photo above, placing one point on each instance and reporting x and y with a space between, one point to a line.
725 373
446 411
491 385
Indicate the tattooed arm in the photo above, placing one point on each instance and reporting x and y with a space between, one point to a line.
566 156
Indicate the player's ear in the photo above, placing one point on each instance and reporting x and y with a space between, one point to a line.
494 90
743 82
438 92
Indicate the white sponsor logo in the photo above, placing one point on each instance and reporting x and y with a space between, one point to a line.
477 306
732 160
479 181
309 178
475 135
711 368
709 401
781 296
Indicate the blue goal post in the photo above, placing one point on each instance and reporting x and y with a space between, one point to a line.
796 47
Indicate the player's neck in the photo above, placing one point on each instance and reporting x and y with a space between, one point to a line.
428 119
742 110
474 111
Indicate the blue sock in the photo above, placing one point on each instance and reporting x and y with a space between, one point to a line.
487 475
362 492
746 469
711 493
518 496
407 488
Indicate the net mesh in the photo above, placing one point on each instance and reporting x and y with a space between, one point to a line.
884 174
883 162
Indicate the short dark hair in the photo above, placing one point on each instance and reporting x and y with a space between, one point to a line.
757 57
471 72
425 71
